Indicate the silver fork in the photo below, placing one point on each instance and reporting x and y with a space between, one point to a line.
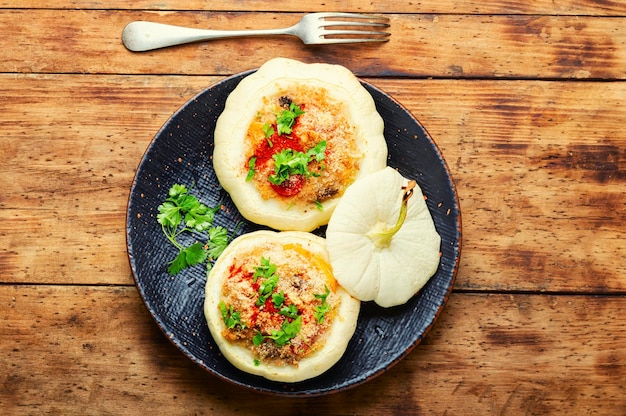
312 29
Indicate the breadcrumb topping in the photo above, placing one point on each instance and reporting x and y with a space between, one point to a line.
305 286
324 119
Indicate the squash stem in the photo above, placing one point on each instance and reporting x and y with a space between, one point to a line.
382 237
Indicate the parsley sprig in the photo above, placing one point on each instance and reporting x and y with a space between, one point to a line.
268 130
267 277
268 280
182 213
286 119
322 309
281 336
289 162
290 310
232 318
251 167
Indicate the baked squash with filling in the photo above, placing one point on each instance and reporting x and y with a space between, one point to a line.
292 137
274 308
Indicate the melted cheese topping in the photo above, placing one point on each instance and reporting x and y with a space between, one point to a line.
324 120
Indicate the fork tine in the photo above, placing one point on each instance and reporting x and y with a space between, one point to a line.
349 28
363 21
356 32
351 40
329 23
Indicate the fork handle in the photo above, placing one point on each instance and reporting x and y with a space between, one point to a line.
142 36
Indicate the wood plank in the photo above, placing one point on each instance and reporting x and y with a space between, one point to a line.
71 161
539 168
95 350
451 46
543 7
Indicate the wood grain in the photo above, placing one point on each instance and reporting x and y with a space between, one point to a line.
450 46
95 350
539 168
542 7
526 100
70 165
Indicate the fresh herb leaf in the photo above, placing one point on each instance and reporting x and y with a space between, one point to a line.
290 311
169 215
286 119
187 257
258 339
289 162
322 309
199 216
232 318
282 336
269 279
265 273
251 167
318 152
287 332
266 288
324 295
268 130
218 240
278 299
182 212
180 204
186 202
177 190
178 264
266 269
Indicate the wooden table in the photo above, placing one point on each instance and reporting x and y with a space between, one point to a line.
526 100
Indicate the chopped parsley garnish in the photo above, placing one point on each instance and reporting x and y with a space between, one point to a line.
288 331
322 309
290 311
282 336
268 280
232 318
318 152
181 213
265 275
289 162
251 166
265 289
286 119
268 130
265 270
257 339
278 299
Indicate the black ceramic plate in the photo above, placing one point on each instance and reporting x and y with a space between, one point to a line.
181 153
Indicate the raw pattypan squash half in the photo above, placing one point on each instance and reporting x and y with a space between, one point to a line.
382 240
